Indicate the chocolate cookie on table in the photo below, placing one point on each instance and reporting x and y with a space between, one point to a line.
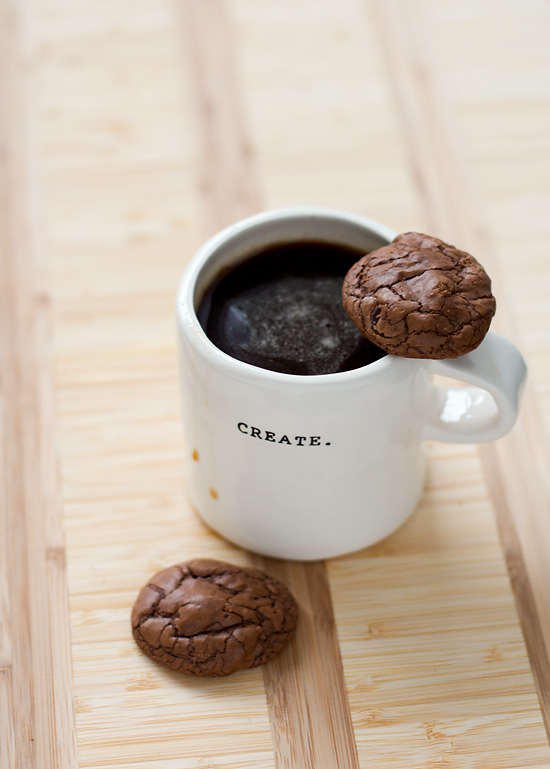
210 618
419 297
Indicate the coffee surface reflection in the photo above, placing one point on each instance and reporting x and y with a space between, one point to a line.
281 309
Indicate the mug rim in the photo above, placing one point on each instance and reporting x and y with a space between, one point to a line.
188 322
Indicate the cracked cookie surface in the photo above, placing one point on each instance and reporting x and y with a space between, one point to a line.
419 297
211 618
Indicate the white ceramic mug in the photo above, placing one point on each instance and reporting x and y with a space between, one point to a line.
310 467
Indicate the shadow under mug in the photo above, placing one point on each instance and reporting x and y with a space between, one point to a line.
311 467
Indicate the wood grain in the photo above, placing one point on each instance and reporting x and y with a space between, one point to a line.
436 670
228 183
36 704
517 467
306 694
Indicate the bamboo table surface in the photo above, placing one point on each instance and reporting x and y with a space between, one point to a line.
128 133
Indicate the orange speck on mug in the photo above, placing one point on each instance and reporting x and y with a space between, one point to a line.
213 493
195 455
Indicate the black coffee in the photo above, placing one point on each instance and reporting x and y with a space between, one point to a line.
281 309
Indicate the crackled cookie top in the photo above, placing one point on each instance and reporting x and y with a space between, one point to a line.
419 297
211 618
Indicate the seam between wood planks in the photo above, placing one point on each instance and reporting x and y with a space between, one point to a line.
517 467
37 720
306 695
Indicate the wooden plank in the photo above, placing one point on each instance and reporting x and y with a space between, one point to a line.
36 704
227 180
306 692
306 695
517 467
436 669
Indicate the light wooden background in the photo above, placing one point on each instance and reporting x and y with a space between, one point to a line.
131 130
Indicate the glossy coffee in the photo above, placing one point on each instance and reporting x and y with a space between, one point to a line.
281 309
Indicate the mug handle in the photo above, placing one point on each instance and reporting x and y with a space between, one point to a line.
486 411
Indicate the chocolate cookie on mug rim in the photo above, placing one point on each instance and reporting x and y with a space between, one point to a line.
419 297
